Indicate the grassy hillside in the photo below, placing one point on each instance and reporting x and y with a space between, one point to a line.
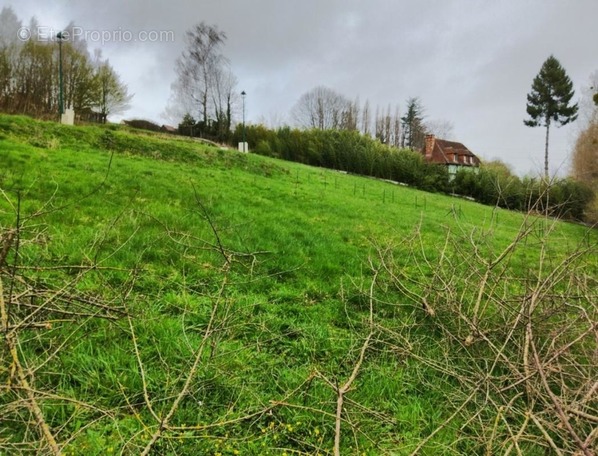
167 297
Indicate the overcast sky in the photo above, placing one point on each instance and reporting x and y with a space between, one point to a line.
469 62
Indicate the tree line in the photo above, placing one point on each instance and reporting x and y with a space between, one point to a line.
325 109
30 72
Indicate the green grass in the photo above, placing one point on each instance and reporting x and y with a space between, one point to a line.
124 217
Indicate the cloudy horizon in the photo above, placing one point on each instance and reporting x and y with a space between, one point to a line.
469 62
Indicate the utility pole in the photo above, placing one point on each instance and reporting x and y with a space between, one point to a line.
243 94
59 37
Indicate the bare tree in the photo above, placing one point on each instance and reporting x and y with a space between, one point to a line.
350 116
112 94
224 97
9 52
197 67
585 164
379 126
588 108
387 127
396 128
9 27
321 108
78 77
365 119
179 105
440 128
10 47
272 120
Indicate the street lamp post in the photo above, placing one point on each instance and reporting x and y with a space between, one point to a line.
59 37
243 94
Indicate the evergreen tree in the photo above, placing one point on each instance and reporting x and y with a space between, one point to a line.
549 100
413 125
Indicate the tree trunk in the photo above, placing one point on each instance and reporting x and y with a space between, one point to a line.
546 152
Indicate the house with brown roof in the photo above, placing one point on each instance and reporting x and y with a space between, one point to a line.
452 154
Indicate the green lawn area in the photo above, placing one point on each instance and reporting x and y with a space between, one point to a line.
164 295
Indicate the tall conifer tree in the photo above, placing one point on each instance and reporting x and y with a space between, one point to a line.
549 100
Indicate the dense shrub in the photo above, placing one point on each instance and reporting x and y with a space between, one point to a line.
570 198
142 124
217 130
495 185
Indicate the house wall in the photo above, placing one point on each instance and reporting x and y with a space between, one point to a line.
453 169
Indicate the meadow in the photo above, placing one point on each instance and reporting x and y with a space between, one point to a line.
163 296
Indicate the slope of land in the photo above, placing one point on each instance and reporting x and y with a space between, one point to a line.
168 297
